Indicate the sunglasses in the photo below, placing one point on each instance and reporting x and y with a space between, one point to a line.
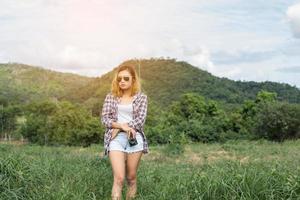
126 78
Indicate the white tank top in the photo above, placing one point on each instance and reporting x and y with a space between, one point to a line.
125 113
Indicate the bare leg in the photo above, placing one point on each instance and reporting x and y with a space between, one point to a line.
133 160
117 159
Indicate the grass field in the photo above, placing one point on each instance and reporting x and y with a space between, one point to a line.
233 170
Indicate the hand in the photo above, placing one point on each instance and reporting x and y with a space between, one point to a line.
125 127
128 130
131 132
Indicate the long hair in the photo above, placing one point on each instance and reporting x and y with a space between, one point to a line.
135 87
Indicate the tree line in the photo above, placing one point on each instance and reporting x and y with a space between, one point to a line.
193 118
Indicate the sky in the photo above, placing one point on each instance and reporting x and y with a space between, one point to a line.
248 40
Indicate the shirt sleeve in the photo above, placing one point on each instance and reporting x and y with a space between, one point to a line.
106 115
139 121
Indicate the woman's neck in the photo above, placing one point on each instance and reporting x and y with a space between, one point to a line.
126 93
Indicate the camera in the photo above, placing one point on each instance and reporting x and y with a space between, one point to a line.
132 141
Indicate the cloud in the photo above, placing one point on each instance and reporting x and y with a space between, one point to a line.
238 39
201 58
293 69
241 56
293 14
2 58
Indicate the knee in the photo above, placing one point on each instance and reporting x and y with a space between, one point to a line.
119 180
131 179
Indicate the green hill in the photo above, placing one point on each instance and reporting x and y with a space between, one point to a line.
163 80
20 83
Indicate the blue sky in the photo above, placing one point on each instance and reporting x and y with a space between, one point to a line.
238 39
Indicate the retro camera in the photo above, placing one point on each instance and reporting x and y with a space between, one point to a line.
132 141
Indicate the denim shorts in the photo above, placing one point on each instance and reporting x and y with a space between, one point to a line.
120 142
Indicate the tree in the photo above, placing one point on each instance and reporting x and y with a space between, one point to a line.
8 116
278 121
61 124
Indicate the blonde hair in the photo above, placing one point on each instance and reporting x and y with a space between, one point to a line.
135 87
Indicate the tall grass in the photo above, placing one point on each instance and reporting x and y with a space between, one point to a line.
233 170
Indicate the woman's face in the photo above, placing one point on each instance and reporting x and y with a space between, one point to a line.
124 79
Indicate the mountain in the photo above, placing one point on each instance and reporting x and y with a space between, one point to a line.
163 80
20 83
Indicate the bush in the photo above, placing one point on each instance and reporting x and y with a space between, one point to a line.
278 121
65 124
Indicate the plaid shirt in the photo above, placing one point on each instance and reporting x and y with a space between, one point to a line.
110 114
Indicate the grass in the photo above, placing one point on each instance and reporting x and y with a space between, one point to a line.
233 170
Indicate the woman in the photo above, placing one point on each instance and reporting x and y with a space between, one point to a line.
123 114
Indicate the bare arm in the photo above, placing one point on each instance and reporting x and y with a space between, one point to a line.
117 125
